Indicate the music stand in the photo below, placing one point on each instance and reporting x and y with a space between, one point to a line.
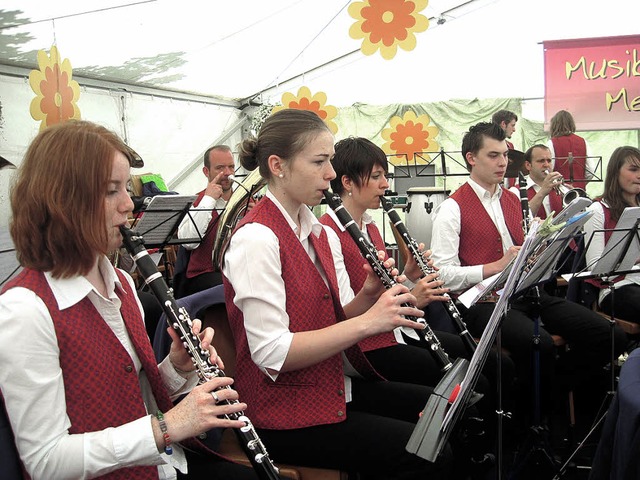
452 395
618 258
160 220
9 265
568 161
542 268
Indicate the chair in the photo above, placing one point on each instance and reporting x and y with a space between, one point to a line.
632 329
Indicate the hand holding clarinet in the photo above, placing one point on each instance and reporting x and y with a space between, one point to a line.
389 282
213 403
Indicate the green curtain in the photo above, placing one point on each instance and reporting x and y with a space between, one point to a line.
454 117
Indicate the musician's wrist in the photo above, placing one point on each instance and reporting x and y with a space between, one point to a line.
184 370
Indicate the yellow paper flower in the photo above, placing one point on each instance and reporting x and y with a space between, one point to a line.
316 103
56 93
386 25
408 136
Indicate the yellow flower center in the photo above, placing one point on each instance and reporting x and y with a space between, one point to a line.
57 98
387 17
409 140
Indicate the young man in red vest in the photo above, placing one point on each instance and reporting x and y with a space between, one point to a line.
203 221
476 233
507 121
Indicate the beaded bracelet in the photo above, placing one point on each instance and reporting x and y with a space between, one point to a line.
163 428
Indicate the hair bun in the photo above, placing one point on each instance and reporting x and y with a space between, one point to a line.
247 154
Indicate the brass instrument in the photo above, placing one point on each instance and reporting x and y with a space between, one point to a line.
568 194
236 209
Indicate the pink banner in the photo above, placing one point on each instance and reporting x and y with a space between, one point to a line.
596 79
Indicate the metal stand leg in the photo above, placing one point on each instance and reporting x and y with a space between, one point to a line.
536 449
606 401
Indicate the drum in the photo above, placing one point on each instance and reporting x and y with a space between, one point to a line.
419 217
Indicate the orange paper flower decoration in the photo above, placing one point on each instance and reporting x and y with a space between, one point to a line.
316 103
410 135
386 25
56 93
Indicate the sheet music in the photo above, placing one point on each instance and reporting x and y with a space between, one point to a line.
578 205
162 216
611 260
548 252
475 293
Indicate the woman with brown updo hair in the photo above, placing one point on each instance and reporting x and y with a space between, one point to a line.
313 397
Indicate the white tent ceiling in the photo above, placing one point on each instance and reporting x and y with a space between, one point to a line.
237 49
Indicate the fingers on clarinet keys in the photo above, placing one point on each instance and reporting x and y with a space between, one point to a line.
216 398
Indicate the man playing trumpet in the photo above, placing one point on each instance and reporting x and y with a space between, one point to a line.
543 185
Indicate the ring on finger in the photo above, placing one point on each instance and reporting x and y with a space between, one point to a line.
216 398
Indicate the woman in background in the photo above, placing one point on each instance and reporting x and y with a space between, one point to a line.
572 158
621 190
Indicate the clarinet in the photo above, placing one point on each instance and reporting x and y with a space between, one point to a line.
524 202
426 269
178 319
368 251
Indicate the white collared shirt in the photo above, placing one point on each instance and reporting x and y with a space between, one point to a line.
33 388
546 203
196 222
252 265
595 242
445 239
366 220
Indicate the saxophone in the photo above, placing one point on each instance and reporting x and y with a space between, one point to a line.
450 305
178 319
234 211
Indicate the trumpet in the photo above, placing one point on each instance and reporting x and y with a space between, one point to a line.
568 194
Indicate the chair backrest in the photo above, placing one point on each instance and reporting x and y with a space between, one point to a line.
216 317
193 304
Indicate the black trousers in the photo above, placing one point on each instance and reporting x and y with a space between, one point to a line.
587 333
209 467
371 440
627 303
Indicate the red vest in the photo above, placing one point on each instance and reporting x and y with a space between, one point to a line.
609 225
555 201
353 261
308 396
480 241
200 260
100 394
575 145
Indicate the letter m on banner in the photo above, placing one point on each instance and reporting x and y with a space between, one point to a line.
596 79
